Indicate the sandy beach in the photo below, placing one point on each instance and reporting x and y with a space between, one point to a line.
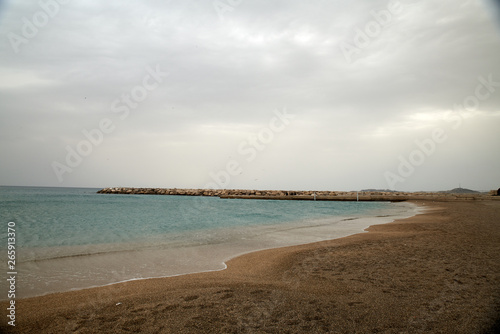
437 272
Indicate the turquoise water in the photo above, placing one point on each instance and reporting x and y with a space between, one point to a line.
71 238
48 217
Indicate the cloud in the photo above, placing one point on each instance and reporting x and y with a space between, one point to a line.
354 116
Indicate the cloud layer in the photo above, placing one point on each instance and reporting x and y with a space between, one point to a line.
367 84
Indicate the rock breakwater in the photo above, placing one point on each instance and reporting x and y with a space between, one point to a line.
301 195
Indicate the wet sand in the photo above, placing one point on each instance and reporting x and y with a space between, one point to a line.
438 272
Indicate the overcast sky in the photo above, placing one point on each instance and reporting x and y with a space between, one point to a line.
286 94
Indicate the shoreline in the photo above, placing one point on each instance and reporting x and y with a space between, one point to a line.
165 261
438 271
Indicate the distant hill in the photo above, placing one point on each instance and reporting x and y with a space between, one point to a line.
461 191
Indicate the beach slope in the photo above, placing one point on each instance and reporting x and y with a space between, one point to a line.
437 272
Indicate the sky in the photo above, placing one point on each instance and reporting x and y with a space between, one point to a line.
250 94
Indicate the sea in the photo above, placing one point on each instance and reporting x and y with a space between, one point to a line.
73 238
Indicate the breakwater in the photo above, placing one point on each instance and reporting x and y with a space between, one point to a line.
301 195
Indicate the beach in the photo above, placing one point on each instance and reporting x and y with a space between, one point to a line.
71 239
437 272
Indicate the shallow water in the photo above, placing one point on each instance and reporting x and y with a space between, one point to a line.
69 238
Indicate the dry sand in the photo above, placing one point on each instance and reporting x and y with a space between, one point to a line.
438 272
